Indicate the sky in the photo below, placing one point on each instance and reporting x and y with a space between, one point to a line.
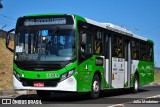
142 17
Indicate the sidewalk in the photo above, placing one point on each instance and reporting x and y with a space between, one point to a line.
12 92
154 84
7 92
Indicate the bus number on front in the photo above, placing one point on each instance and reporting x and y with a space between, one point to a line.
51 75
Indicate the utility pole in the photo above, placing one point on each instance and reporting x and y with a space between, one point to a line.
1 6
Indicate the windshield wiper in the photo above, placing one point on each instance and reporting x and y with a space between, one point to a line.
55 31
53 34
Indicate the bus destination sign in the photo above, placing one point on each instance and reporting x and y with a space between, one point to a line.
44 21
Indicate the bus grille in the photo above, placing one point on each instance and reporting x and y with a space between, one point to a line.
35 66
41 67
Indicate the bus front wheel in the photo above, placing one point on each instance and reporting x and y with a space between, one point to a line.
95 92
43 95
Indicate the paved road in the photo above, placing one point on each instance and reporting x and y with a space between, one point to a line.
111 97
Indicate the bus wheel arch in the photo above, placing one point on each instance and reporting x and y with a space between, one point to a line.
100 77
95 86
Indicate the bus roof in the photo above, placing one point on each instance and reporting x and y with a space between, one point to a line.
108 26
118 29
115 28
32 15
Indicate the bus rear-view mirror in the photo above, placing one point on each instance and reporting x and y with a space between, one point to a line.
8 39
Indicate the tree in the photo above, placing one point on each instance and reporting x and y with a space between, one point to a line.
1 6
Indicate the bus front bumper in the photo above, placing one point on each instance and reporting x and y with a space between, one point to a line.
69 84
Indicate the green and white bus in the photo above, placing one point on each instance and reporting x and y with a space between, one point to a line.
64 52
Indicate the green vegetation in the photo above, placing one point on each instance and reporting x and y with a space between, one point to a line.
5 66
157 77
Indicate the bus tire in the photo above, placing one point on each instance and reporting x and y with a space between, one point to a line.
95 91
43 95
136 84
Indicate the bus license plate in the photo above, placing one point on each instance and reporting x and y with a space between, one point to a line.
38 84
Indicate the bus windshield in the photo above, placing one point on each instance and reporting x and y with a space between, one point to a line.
45 45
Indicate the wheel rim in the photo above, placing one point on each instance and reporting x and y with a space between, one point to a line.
96 86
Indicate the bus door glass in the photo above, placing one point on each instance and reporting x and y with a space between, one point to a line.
127 57
118 61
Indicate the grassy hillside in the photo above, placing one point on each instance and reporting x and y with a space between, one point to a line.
6 61
157 77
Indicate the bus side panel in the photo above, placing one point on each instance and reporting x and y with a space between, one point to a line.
149 72
86 71
85 75
146 71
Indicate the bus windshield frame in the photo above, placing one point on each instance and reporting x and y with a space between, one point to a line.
45 42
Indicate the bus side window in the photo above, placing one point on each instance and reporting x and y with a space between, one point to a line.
86 42
83 42
106 45
135 49
149 52
98 42
143 53
117 42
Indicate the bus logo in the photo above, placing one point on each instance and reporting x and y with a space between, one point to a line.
38 69
38 76
6 101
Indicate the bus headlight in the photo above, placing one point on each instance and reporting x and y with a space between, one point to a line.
16 75
67 75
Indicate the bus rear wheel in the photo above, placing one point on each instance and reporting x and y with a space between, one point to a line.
136 84
43 95
95 92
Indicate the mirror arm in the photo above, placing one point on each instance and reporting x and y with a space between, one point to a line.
10 49
8 39
10 31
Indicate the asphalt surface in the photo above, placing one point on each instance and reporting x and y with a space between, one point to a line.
109 98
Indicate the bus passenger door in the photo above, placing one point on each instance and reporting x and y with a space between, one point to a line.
127 57
107 50
118 62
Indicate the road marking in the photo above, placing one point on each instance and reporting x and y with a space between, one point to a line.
156 96
117 105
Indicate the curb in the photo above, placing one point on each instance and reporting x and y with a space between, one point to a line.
12 92
7 92
154 84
